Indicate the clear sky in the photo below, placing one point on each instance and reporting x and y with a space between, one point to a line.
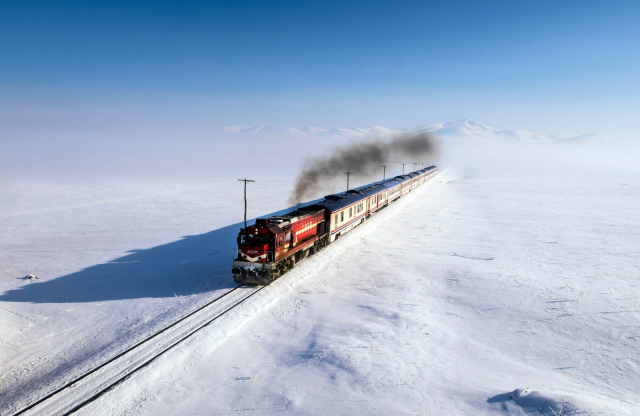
191 67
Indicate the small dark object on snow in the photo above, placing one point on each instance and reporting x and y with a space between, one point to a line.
31 276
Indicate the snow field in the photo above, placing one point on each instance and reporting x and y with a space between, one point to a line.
114 266
443 304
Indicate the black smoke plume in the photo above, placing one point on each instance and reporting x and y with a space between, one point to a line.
364 159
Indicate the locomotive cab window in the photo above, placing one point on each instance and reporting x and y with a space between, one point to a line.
257 238
280 241
287 237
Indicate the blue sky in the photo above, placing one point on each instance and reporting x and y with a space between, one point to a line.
191 68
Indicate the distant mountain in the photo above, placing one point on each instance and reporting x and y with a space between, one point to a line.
458 128
285 131
467 127
264 131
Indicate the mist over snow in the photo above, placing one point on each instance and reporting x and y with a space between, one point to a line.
278 151
466 146
464 127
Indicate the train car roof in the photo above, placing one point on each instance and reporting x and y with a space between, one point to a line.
403 178
373 189
336 202
390 183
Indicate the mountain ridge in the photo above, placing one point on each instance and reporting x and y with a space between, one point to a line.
456 128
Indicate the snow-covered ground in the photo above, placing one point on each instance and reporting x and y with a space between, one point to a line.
475 285
443 304
115 262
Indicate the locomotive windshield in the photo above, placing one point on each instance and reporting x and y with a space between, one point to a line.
256 238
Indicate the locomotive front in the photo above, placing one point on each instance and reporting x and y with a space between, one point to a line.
256 248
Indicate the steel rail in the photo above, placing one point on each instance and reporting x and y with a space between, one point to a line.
133 347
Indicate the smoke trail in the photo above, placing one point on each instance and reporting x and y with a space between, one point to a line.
364 159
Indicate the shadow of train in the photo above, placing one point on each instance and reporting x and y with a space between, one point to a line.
191 265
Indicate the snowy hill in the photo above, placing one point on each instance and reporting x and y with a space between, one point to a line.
467 127
264 130
458 128
285 131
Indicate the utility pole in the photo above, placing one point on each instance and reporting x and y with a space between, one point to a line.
414 166
245 180
403 168
348 174
384 172
422 165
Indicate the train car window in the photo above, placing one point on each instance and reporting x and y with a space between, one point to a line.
280 241
342 216
350 212
287 237
336 220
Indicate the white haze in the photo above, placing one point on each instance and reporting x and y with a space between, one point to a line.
282 151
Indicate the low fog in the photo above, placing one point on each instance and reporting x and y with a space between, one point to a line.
322 161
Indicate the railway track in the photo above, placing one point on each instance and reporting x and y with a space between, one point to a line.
86 388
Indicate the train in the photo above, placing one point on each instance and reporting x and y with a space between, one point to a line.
274 245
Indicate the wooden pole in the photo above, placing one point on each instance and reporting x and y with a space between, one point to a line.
245 180
348 174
